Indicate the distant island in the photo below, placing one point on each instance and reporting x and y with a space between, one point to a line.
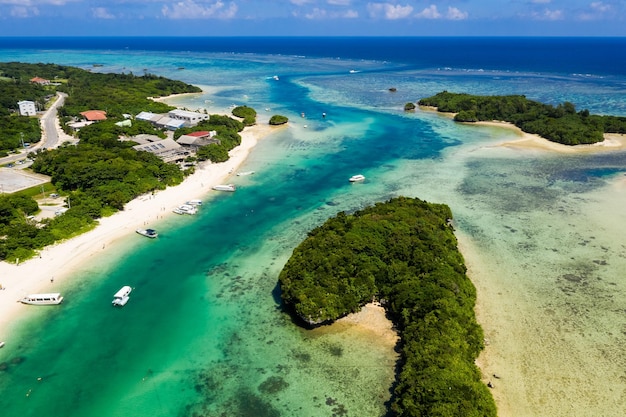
403 253
561 124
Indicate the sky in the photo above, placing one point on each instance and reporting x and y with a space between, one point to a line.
312 18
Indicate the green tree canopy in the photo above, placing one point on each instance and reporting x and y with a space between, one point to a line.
404 252
561 124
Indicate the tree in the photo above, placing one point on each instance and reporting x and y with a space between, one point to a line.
277 119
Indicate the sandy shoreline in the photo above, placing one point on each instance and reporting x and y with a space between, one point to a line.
59 261
372 318
612 141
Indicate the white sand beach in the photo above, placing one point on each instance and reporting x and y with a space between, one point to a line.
372 319
59 261
611 142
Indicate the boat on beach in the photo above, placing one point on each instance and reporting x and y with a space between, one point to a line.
185 209
356 178
225 187
122 296
194 202
43 299
150 233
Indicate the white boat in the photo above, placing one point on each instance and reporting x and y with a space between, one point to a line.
43 299
194 202
225 187
275 77
245 173
122 296
151 233
185 209
1 344
356 178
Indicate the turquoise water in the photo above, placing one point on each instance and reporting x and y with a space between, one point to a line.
204 332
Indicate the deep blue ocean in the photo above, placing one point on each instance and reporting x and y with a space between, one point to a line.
205 333
598 56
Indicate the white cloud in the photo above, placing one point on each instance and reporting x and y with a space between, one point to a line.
430 12
598 10
339 2
300 2
325 14
389 11
189 9
101 13
34 3
455 14
598 6
23 12
548 14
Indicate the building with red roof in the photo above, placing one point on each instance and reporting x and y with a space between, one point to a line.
94 115
39 80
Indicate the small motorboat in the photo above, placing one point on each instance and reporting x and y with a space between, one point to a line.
225 187
356 178
122 296
150 233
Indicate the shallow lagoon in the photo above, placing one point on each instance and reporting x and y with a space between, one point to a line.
204 332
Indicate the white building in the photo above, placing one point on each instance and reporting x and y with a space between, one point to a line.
27 108
173 120
191 118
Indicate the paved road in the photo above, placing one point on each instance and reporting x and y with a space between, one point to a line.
50 136
15 179
48 123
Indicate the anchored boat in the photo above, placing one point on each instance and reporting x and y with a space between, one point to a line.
151 233
122 296
186 209
43 299
356 178
225 187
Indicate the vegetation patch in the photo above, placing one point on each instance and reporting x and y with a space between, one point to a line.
404 253
277 119
100 174
561 124
248 114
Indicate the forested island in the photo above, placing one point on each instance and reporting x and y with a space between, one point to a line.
561 124
101 173
404 253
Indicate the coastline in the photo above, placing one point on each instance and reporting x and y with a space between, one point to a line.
611 142
372 319
59 261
